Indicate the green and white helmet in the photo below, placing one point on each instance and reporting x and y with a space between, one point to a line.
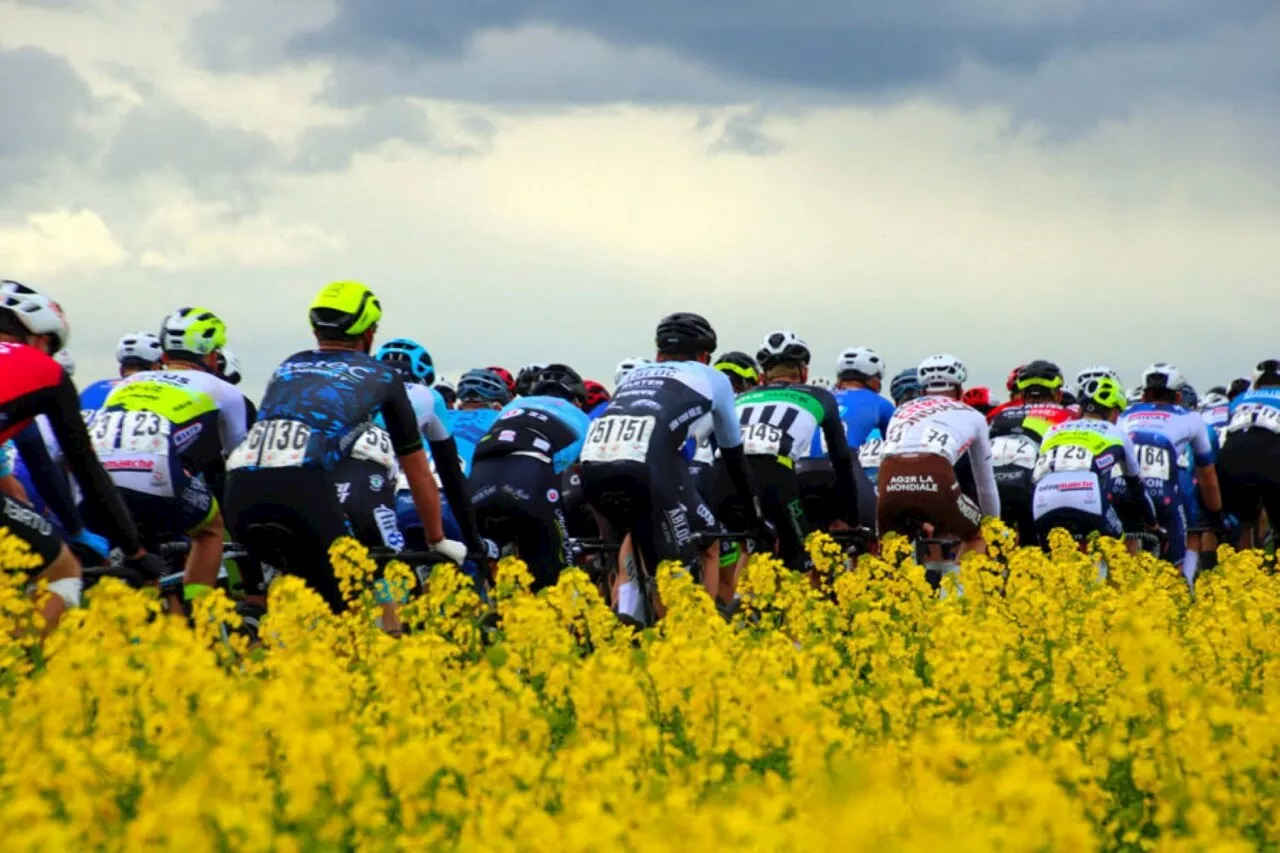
197 331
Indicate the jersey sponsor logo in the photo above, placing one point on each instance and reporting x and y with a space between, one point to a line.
1075 486
645 404
684 417
27 517
344 492
507 435
385 517
341 368
552 495
376 482
510 413
969 510
187 435
1104 462
680 525
128 464
705 513
912 483
542 444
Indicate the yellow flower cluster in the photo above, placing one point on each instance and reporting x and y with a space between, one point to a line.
1042 709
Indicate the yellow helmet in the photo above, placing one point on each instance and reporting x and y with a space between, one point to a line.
1105 392
193 330
347 307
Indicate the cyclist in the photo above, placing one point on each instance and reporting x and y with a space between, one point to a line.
741 369
1010 385
1215 411
506 377
525 377
936 467
624 370
447 392
1016 432
1161 431
162 436
597 398
316 404
905 387
135 353
481 396
1250 460
32 326
779 420
1238 387
517 478
1079 464
633 471
859 372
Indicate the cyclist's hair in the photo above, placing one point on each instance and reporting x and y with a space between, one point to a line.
1092 407
11 325
1159 395
784 370
330 335
1037 392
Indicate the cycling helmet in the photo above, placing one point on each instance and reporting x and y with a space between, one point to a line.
506 377
1095 372
35 312
1238 387
905 385
196 331
142 350
625 367
1214 398
1190 398
739 364
596 393
1103 392
859 363
346 308
979 397
1163 376
525 377
560 380
411 357
1011 383
1068 399
1269 368
68 363
229 366
1135 394
1039 374
942 372
483 384
822 382
685 334
782 348
447 393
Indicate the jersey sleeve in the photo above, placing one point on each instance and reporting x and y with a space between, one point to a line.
984 476
724 414
1129 462
886 414
437 427
402 424
233 416
580 423
1201 449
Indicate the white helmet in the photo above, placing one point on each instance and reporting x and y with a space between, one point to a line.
141 347
1097 371
68 363
1214 399
821 382
1163 375
229 366
861 360
941 372
782 346
37 313
1135 394
626 366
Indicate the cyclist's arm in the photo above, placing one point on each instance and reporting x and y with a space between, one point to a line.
886 415
454 484
984 475
233 417
1202 458
1134 487
406 441
48 478
579 423
100 493
728 435
841 458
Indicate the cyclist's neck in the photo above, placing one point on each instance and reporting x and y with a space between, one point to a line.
340 346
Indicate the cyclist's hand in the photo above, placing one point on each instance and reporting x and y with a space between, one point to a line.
486 551
92 542
449 549
146 566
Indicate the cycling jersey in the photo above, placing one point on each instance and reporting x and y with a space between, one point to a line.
1030 419
1075 474
1217 418
541 427
861 412
1250 462
468 427
8 457
948 428
156 428
32 383
599 410
1016 433
318 403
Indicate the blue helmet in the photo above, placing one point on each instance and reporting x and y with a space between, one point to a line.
483 385
409 356
1190 399
906 383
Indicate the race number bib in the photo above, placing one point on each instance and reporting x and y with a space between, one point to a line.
1255 416
619 438
374 445
272 444
135 433
762 439
870 453
1016 450
1063 458
1154 462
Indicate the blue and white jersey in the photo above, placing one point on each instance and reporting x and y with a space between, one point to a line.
1217 418
468 427
1167 438
862 411
870 454
430 411
1256 409
658 408
540 426
93 397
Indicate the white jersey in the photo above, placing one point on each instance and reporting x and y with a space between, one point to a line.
950 429
1077 461
1166 433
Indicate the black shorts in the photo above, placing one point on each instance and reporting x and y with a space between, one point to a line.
162 519
779 490
367 492
1249 471
517 502
1077 521
303 502
1016 487
32 528
818 493
658 503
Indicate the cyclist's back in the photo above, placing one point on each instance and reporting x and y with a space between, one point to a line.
1250 459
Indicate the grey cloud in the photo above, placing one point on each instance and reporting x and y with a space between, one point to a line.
744 134
333 148
41 99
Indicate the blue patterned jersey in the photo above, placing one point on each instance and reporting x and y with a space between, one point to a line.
469 426
546 426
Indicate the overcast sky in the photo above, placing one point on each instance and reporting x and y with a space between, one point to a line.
524 181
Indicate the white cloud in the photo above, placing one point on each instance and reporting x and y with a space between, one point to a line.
58 242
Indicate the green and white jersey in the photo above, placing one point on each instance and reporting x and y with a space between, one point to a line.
781 420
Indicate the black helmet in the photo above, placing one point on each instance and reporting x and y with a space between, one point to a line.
738 365
685 334
1238 387
1039 373
560 380
782 347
